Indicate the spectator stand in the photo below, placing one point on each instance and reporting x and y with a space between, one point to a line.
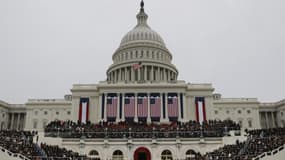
272 154
191 129
13 156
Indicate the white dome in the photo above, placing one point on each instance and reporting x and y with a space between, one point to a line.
142 32
144 48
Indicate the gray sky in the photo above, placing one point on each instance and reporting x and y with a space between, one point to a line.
46 46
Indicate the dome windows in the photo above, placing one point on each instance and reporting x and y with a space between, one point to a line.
131 55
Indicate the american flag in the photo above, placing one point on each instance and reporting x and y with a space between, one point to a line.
142 107
84 110
172 106
129 107
136 66
155 103
112 103
200 109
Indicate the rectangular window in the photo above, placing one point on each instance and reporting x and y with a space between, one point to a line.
35 125
249 123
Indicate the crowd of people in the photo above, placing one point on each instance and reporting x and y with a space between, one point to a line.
53 152
22 143
258 142
191 129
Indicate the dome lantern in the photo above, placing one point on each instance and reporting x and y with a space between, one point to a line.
142 16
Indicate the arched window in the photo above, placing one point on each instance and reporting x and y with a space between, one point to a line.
118 155
249 121
240 122
35 124
283 123
94 155
190 154
2 126
166 155
45 122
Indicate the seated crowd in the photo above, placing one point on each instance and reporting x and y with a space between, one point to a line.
21 142
57 153
191 129
258 142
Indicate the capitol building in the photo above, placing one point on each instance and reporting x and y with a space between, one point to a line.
142 85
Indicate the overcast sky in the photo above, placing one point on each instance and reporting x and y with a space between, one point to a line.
47 46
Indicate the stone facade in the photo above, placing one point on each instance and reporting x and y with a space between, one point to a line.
141 65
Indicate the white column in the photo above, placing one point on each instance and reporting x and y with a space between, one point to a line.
118 108
164 74
158 74
154 74
100 108
168 75
105 108
15 121
116 75
132 74
148 108
12 121
120 74
126 74
136 107
123 107
166 107
145 73
184 108
18 122
151 74
139 74
273 119
24 120
161 109
266 118
179 107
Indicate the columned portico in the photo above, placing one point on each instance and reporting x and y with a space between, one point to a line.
121 110
16 120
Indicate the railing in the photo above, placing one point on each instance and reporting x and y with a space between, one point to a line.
273 152
4 150
134 134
